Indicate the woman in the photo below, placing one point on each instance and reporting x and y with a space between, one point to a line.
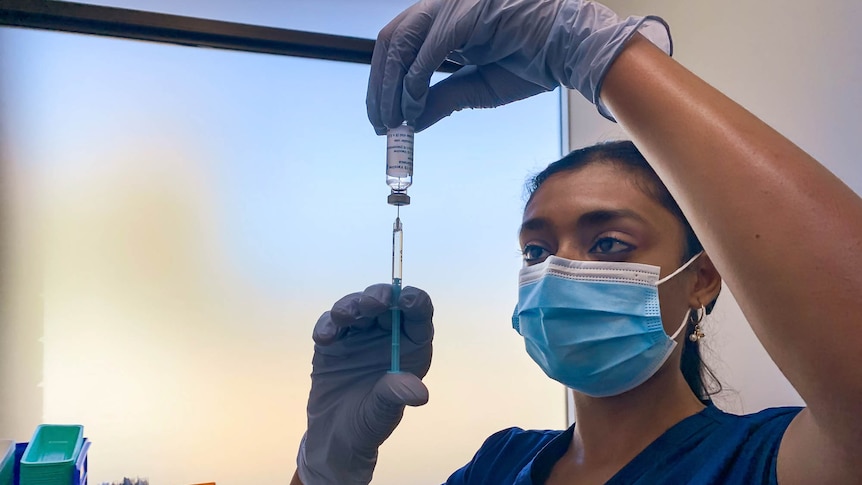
783 232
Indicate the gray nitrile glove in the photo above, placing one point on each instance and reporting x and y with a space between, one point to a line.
511 49
355 404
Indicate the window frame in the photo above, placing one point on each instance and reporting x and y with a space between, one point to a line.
187 31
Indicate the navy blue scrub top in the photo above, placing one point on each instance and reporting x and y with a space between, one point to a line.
710 447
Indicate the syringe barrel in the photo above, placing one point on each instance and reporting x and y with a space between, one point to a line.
397 248
395 365
397 256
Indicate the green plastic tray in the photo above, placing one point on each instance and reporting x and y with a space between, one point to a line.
7 461
53 445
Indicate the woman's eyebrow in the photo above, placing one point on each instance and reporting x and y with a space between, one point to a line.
603 216
591 218
534 224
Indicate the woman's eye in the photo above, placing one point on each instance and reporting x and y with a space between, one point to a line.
610 245
534 254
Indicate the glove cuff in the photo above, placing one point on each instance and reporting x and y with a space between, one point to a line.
313 468
654 28
587 38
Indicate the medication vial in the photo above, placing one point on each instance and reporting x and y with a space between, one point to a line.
399 157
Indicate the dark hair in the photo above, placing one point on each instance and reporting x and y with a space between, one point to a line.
697 374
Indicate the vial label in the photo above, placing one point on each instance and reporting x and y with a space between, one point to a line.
399 151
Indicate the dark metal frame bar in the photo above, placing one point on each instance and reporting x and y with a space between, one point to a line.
189 31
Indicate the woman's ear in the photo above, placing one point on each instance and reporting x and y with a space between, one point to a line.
707 285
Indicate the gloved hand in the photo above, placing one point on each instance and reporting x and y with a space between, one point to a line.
354 404
512 49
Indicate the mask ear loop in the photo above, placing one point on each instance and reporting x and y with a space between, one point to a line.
682 325
687 312
679 270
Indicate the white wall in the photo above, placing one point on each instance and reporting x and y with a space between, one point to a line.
797 66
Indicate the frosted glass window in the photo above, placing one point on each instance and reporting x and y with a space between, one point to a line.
180 218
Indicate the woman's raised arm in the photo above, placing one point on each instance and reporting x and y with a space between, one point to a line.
783 231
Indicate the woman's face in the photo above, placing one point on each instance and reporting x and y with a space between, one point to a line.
598 213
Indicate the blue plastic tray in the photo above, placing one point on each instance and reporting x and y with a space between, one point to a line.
79 477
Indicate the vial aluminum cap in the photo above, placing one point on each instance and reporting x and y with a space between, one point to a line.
398 198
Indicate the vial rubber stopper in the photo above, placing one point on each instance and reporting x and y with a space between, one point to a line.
398 198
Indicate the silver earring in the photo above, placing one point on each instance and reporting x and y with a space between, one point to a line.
697 333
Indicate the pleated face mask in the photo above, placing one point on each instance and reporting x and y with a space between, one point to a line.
594 326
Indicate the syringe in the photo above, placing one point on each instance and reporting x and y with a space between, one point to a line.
397 255
399 176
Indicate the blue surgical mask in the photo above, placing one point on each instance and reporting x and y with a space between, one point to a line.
594 326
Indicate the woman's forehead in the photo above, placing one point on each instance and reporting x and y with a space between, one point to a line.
597 186
600 196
